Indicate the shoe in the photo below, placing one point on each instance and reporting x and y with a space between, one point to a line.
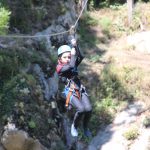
74 131
87 133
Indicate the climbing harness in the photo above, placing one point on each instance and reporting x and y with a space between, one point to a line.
72 90
69 91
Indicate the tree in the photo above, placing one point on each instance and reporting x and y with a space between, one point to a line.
130 11
4 20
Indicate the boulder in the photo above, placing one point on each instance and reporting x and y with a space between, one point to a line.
19 140
140 41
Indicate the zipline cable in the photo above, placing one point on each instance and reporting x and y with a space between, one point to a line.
47 35
81 13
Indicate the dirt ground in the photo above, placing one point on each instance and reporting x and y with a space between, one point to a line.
122 56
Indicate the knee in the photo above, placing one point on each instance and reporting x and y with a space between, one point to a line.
88 108
81 109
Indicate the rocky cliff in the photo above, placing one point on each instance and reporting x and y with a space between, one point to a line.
28 83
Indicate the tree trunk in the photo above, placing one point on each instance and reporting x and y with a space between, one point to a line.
130 11
81 5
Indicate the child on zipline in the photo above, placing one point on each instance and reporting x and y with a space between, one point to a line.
69 57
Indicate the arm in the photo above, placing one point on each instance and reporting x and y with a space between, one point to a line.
80 56
78 52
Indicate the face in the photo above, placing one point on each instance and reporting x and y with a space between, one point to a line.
65 58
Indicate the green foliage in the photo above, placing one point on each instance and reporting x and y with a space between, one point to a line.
10 63
35 15
106 107
115 6
108 96
90 5
12 60
103 114
140 18
82 137
8 94
132 133
85 36
4 20
115 87
30 80
14 89
89 21
19 100
95 58
63 8
16 86
32 124
111 85
146 121
132 78
105 23
106 103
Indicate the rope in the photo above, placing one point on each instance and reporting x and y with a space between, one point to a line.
47 35
80 13
32 8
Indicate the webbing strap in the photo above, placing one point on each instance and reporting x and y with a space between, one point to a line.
72 87
78 93
68 98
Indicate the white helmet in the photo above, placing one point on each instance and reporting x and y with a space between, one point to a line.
63 49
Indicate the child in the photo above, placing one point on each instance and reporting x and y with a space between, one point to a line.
75 94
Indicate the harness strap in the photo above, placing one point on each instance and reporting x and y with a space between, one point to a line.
71 89
68 98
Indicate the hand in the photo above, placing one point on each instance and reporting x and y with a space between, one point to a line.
73 51
73 42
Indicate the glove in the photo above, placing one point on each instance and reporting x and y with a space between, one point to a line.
72 40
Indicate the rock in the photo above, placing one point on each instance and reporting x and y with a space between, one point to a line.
129 115
53 85
140 41
10 126
50 85
14 140
112 135
1 147
19 140
81 146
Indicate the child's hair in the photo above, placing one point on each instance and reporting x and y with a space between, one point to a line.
59 56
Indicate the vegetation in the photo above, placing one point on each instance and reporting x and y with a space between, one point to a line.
4 20
93 4
146 121
131 134
34 15
116 24
113 86
110 87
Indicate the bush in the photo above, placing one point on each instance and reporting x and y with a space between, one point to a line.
4 20
131 134
146 121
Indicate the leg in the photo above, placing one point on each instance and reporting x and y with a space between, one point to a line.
79 110
86 103
77 117
87 113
